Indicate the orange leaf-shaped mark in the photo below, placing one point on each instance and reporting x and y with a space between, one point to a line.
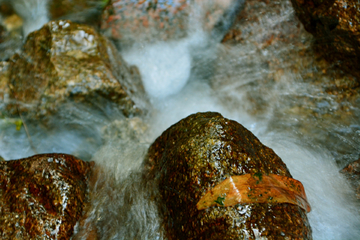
257 188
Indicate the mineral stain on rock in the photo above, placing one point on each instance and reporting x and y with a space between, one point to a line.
43 196
198 153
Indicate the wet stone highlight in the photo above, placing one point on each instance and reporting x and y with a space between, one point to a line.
43 196
198 153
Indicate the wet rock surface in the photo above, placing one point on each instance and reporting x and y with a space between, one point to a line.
69 61
128 20
43 196
195 155
293 84
149 21
336 28
352 173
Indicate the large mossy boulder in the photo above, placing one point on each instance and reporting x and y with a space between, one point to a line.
43 196
336 28
68 61
198 153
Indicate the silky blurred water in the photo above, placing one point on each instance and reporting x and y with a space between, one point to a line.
285 111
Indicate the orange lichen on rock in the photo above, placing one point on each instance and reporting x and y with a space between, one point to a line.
255 188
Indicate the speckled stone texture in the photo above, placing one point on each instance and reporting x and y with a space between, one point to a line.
43 196
145 20
130 21
199 152
65 60
336 26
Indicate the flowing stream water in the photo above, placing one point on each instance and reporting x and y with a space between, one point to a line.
195 74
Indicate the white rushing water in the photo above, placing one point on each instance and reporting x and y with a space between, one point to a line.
34 12
179 83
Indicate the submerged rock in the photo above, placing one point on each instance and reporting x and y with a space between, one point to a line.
68 61
336 27
148 21
116 191
43 196
292 83
352 173
197 154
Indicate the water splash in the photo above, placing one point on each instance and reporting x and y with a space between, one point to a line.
232 80
33 12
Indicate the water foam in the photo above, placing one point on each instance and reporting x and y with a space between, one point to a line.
165 67
334 213
121 208
33 12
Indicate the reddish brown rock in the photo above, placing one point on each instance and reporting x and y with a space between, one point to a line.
145 20
336 27
268 37
352 173
256 12
65 60
43 196
148 21
196 154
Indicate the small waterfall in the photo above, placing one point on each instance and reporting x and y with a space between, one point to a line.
195 74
